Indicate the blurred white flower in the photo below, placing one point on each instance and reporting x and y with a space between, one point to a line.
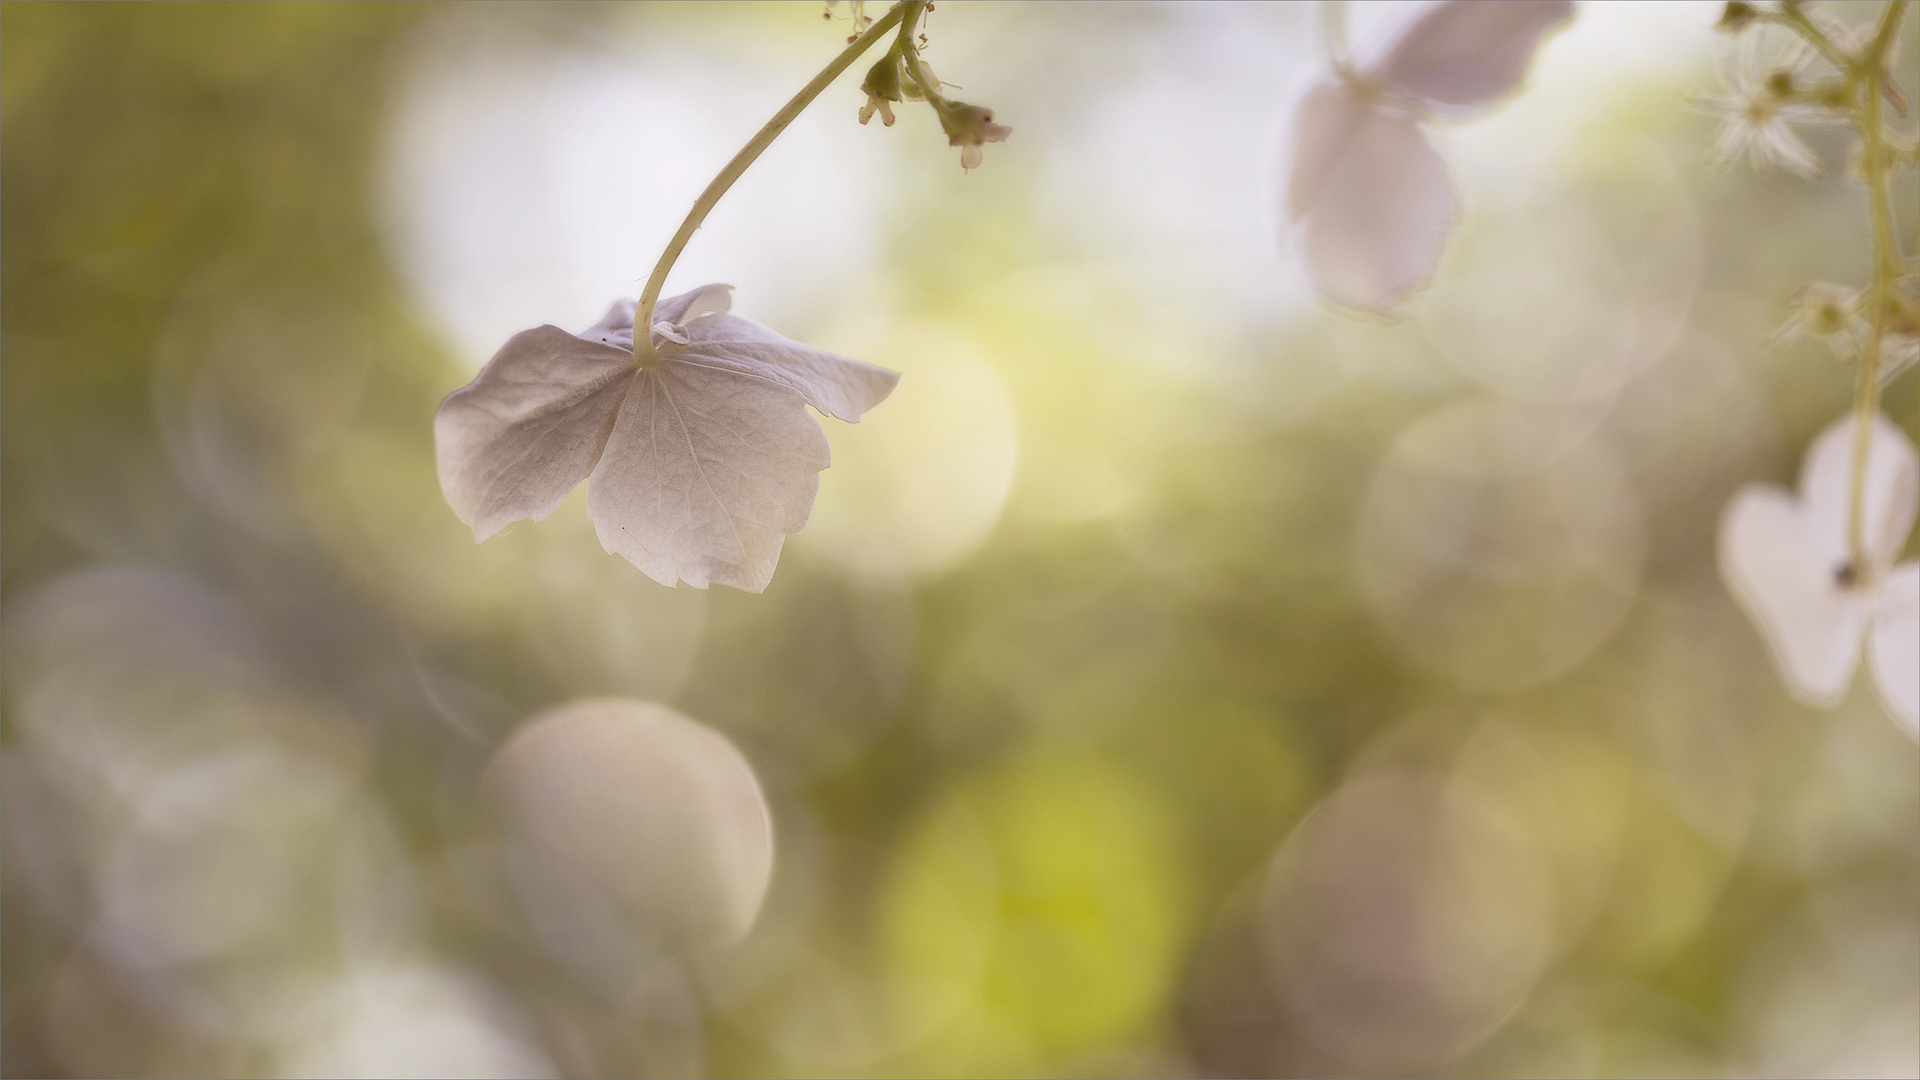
1831 312
1756 115
1787 560
698 465
1367 189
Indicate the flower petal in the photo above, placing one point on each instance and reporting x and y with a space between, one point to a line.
835 385
705 473
615 328
1892 487
1322 127
691 305
1776 560
1465 53
1893 645
529 427
1375 199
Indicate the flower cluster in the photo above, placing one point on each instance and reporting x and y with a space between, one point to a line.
693 436
1791 65
1816 573
901 75
1367 192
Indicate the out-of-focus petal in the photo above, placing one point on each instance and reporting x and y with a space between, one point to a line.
1322 128
1892 488
1466 53
513 442
1779 563
706 471
1893 645
1377 211
835 385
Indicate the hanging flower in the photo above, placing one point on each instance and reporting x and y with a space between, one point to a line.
698 465
882 87
1367 191
1830 312
969 127
1788 560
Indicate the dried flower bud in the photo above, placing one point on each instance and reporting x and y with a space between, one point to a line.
969 127
882 87
1736 16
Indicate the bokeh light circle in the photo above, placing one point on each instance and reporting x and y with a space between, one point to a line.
1404 920
1500 547
632 833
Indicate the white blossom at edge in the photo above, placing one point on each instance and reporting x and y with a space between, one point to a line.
1786 557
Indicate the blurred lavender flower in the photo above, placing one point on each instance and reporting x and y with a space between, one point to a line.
1787 560
698 465
1367 189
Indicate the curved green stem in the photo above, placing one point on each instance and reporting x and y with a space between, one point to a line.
644 353
916 68
1810 31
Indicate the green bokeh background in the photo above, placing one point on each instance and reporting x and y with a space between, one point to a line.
1026 804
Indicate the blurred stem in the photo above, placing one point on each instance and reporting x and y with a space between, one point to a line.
1333 34
909 54
644 353
1811 32
1871 70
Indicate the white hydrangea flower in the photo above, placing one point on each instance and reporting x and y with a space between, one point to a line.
697 466
1786 558
1367 191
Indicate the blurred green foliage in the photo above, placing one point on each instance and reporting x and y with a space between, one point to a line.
1025 806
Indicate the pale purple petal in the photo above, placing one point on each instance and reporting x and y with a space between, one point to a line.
1778 562
1373 200
1892 488
513 442
692 304
1322 128
835 385
705 473
1893 645
615 328
1466 53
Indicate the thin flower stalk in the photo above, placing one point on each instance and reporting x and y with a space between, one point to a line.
1857 94
644 352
